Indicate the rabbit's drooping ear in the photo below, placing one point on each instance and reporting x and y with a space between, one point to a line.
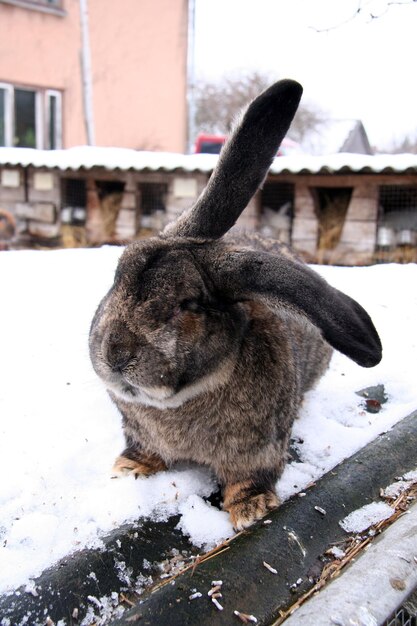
243 164
277 279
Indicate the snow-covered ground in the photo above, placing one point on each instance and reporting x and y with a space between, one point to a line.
59 432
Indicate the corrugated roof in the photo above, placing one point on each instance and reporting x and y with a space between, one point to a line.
86 157
346 162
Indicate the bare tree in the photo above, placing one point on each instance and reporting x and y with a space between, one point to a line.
308 120
218 103
407 144
369 10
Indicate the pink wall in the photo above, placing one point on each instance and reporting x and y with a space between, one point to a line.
139 72
42 50
138 60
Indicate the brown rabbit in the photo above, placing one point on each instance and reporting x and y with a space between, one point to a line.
207 344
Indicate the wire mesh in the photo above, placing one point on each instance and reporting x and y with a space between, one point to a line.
406 614
397 223
277 206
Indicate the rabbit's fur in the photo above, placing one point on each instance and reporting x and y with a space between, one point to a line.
207 343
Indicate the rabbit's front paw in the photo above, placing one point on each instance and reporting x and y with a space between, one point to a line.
245 506
137 464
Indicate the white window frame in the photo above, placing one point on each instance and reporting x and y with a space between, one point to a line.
52 93
8 114
55 8
38 119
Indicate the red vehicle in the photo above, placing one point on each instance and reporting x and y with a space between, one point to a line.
212 144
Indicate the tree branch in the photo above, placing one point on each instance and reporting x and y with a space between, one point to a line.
362 10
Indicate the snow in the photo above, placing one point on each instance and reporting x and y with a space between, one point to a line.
366 516
59 431
373 587
337 552
193 511
110 158
87 157
394 490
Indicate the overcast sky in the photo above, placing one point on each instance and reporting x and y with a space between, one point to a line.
360 68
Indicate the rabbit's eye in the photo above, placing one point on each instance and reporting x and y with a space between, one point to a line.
192 305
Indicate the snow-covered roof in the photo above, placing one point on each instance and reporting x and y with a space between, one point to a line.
86 157
346 162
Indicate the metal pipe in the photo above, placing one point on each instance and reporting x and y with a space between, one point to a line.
86 74
191 77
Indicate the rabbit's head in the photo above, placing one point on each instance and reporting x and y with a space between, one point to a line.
171 324
163 330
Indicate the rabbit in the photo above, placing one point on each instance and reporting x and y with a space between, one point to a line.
207 341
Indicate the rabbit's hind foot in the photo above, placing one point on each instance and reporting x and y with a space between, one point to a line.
136 464
246 507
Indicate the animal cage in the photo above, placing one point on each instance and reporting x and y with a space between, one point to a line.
397 222
276 211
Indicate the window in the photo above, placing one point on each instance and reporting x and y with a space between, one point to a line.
46 6
397 225
74 201
30 118
54 120
53 3
2 109
24 118
110 195
331 206
5 115
153 197
398 206
277 203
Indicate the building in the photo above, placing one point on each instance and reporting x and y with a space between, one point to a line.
339 135
98 72
343 209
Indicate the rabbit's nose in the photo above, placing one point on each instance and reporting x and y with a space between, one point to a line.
118 359
119 351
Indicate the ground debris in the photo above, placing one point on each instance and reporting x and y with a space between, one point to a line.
269 567
195 595
336 552
103 610
173 564
320 510
245 618
398 584
346 552
217 604
374 398
297 583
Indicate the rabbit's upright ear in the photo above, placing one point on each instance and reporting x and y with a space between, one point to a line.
243 164
280 281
